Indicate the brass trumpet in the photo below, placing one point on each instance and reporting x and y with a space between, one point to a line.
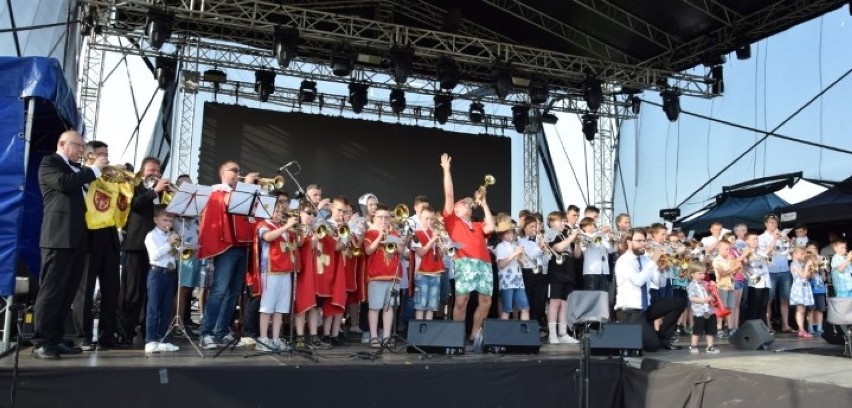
120 174
489 181
268 184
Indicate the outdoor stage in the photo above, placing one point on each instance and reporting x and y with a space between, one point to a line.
126 378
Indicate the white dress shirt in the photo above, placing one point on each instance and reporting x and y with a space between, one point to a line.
596 258
629 280
779 258
159 251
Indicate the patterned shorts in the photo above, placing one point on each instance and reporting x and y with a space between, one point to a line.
473 275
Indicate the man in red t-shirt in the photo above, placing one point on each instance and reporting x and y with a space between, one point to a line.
472 265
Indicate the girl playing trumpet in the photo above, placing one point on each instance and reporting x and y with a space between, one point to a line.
801 294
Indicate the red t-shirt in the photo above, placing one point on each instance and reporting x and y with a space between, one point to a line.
432 262
380 265
471 236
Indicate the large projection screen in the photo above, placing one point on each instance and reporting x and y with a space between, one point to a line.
352 157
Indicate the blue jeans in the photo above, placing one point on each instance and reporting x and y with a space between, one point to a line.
161 296
427 290
781 283
514 299
229 273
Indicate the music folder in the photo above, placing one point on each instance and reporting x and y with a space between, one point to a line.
189 200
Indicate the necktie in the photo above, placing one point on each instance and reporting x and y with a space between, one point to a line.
644 287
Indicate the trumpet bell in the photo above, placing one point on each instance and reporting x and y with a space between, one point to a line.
343 231
187 254
357 251
166 197
401 211
269 184
322 231
490 180
389 248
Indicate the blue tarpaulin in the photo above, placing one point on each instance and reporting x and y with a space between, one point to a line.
55 111
731 210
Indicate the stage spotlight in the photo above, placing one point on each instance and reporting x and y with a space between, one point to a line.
397 101
538 90
592 92
401 60
717 87
166 67
520 117
307 91
743 52
671 103
341 60
285 45
448 73
158 27
635 103
590 126
443 107
502 73
358 96
264 83
476 112
549 118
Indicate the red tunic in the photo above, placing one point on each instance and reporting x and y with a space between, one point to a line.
219 231
306 292
325 264
280 261
472 237
432 263
380 265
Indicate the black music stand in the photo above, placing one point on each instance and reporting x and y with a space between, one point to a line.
587 308
188 201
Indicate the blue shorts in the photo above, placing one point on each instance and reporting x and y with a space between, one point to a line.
781 282
739 285
514 299
427 291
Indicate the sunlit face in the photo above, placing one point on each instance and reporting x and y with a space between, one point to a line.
660 235
98 152
229 173
751 241
530 229
164 222
372 204
771 225
307 217
151 169
740 231
463 209
557 224
382 219
571 217
637 243
715 229
623 224
339 212
840 249
71 146
314 195
426 218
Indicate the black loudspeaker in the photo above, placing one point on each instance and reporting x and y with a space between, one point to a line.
616 339
752 335
437 336
511 336
833 334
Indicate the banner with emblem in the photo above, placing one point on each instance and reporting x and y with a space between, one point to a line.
107 204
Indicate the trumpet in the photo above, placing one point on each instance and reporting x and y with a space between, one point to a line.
391 244
120 174
489 181
268 184
557 257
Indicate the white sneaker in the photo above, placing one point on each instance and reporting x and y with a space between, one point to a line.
167 347
264 344
248 343
355 330
208 343
553 340
151 347
566 339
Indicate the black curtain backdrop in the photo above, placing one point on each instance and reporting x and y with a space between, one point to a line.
352 157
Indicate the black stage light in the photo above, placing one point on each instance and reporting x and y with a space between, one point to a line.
264 83
590 126
671 103
285 45
448 73
743 52
341 60
158 27
520 117
307 91
717 87
166 67
401 60
502 73
397 101
358 96
538 90
592 92
635 104
476 112
443 107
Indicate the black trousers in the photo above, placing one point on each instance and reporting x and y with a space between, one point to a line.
134 290
757 299
61 271
101 265
669 309
536 288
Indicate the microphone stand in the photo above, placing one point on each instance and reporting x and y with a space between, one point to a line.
20 325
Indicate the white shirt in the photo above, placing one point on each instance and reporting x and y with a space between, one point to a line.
596 258
756 268
534 254
95 170
159 251
629 280
779 258
188 230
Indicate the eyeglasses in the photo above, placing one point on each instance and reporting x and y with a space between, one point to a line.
384 217
311 213
235 170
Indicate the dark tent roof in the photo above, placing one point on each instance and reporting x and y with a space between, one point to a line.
832 205
732 210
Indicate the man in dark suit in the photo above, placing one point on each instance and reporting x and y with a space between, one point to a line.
139 223
63 236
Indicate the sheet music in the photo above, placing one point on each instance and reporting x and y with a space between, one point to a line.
265 206
242 201
189 200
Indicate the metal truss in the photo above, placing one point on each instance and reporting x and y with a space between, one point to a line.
252 22
603 150
89 86
760 24
532 196
714 10
634 24
186 120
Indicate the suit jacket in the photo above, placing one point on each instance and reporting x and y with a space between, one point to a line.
141 219
64 218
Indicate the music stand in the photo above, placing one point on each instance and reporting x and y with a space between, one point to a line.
188 201
586 308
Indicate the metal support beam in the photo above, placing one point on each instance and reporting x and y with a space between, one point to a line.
603 150
636 25
89 91
186 120
532 195
715 10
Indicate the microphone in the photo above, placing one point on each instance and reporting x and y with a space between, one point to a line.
280 169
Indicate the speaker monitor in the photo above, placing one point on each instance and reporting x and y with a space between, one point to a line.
833 334
511 336
616 339
752 335
437 336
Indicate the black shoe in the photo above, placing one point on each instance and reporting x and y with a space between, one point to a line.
671 347
192 325
106 346
63 348
339 341
86 345
46 353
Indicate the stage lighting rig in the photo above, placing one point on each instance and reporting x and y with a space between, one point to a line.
401 61
502 73
476 112
397 101
743 52
358 96
443 107
590 126
165 72
158 27
307 91
671 103
448 73
285 45
635 104
342 60
520 117
264 83
592 92
538 90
